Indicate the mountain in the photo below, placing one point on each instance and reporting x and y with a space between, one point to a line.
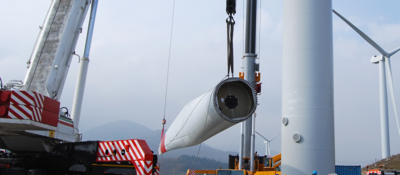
124 129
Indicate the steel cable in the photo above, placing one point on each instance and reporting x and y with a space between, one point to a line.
169 58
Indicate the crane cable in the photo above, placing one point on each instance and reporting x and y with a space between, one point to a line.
259 36
169 58
243 43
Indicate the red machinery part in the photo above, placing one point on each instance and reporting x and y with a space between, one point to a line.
26 105
30 98
258 88
134 151
4 165
51 105
5 96
373 172
49 118
3 111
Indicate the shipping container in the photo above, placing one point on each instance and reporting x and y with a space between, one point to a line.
348 170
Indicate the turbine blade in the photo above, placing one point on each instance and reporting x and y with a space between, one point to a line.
390 82
369 40
275 137
393 52
262 136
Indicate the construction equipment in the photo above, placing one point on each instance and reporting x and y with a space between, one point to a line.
263 166
381 171
42 137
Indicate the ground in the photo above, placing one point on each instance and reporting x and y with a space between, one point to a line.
392 162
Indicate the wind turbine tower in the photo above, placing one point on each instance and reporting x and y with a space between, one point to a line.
385 73
308 142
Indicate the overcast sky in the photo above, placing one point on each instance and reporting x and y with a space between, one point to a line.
127 71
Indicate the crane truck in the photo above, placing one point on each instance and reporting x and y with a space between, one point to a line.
39 136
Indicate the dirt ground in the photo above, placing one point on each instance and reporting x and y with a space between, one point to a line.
392 162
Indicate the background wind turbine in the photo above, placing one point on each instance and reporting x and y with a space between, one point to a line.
385 72
267 144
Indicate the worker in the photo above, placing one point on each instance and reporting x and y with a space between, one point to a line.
314 173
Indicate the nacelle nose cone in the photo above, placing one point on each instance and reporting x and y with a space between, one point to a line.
375 59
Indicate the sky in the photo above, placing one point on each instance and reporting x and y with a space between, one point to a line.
129 59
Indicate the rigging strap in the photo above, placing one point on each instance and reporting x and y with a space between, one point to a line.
230 22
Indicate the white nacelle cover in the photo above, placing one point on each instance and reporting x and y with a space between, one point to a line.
375 59
232 101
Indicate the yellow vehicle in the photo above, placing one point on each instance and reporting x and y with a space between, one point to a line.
263 166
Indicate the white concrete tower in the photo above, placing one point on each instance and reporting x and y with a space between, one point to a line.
308 141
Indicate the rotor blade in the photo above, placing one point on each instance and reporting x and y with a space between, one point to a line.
262 136
390 81
275 137
393 52
369 40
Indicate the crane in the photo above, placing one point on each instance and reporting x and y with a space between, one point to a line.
42 137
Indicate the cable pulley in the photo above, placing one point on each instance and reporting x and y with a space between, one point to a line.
231 7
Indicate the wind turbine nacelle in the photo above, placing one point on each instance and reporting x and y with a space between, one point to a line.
232 101
375 59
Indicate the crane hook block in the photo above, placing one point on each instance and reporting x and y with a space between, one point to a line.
231 7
